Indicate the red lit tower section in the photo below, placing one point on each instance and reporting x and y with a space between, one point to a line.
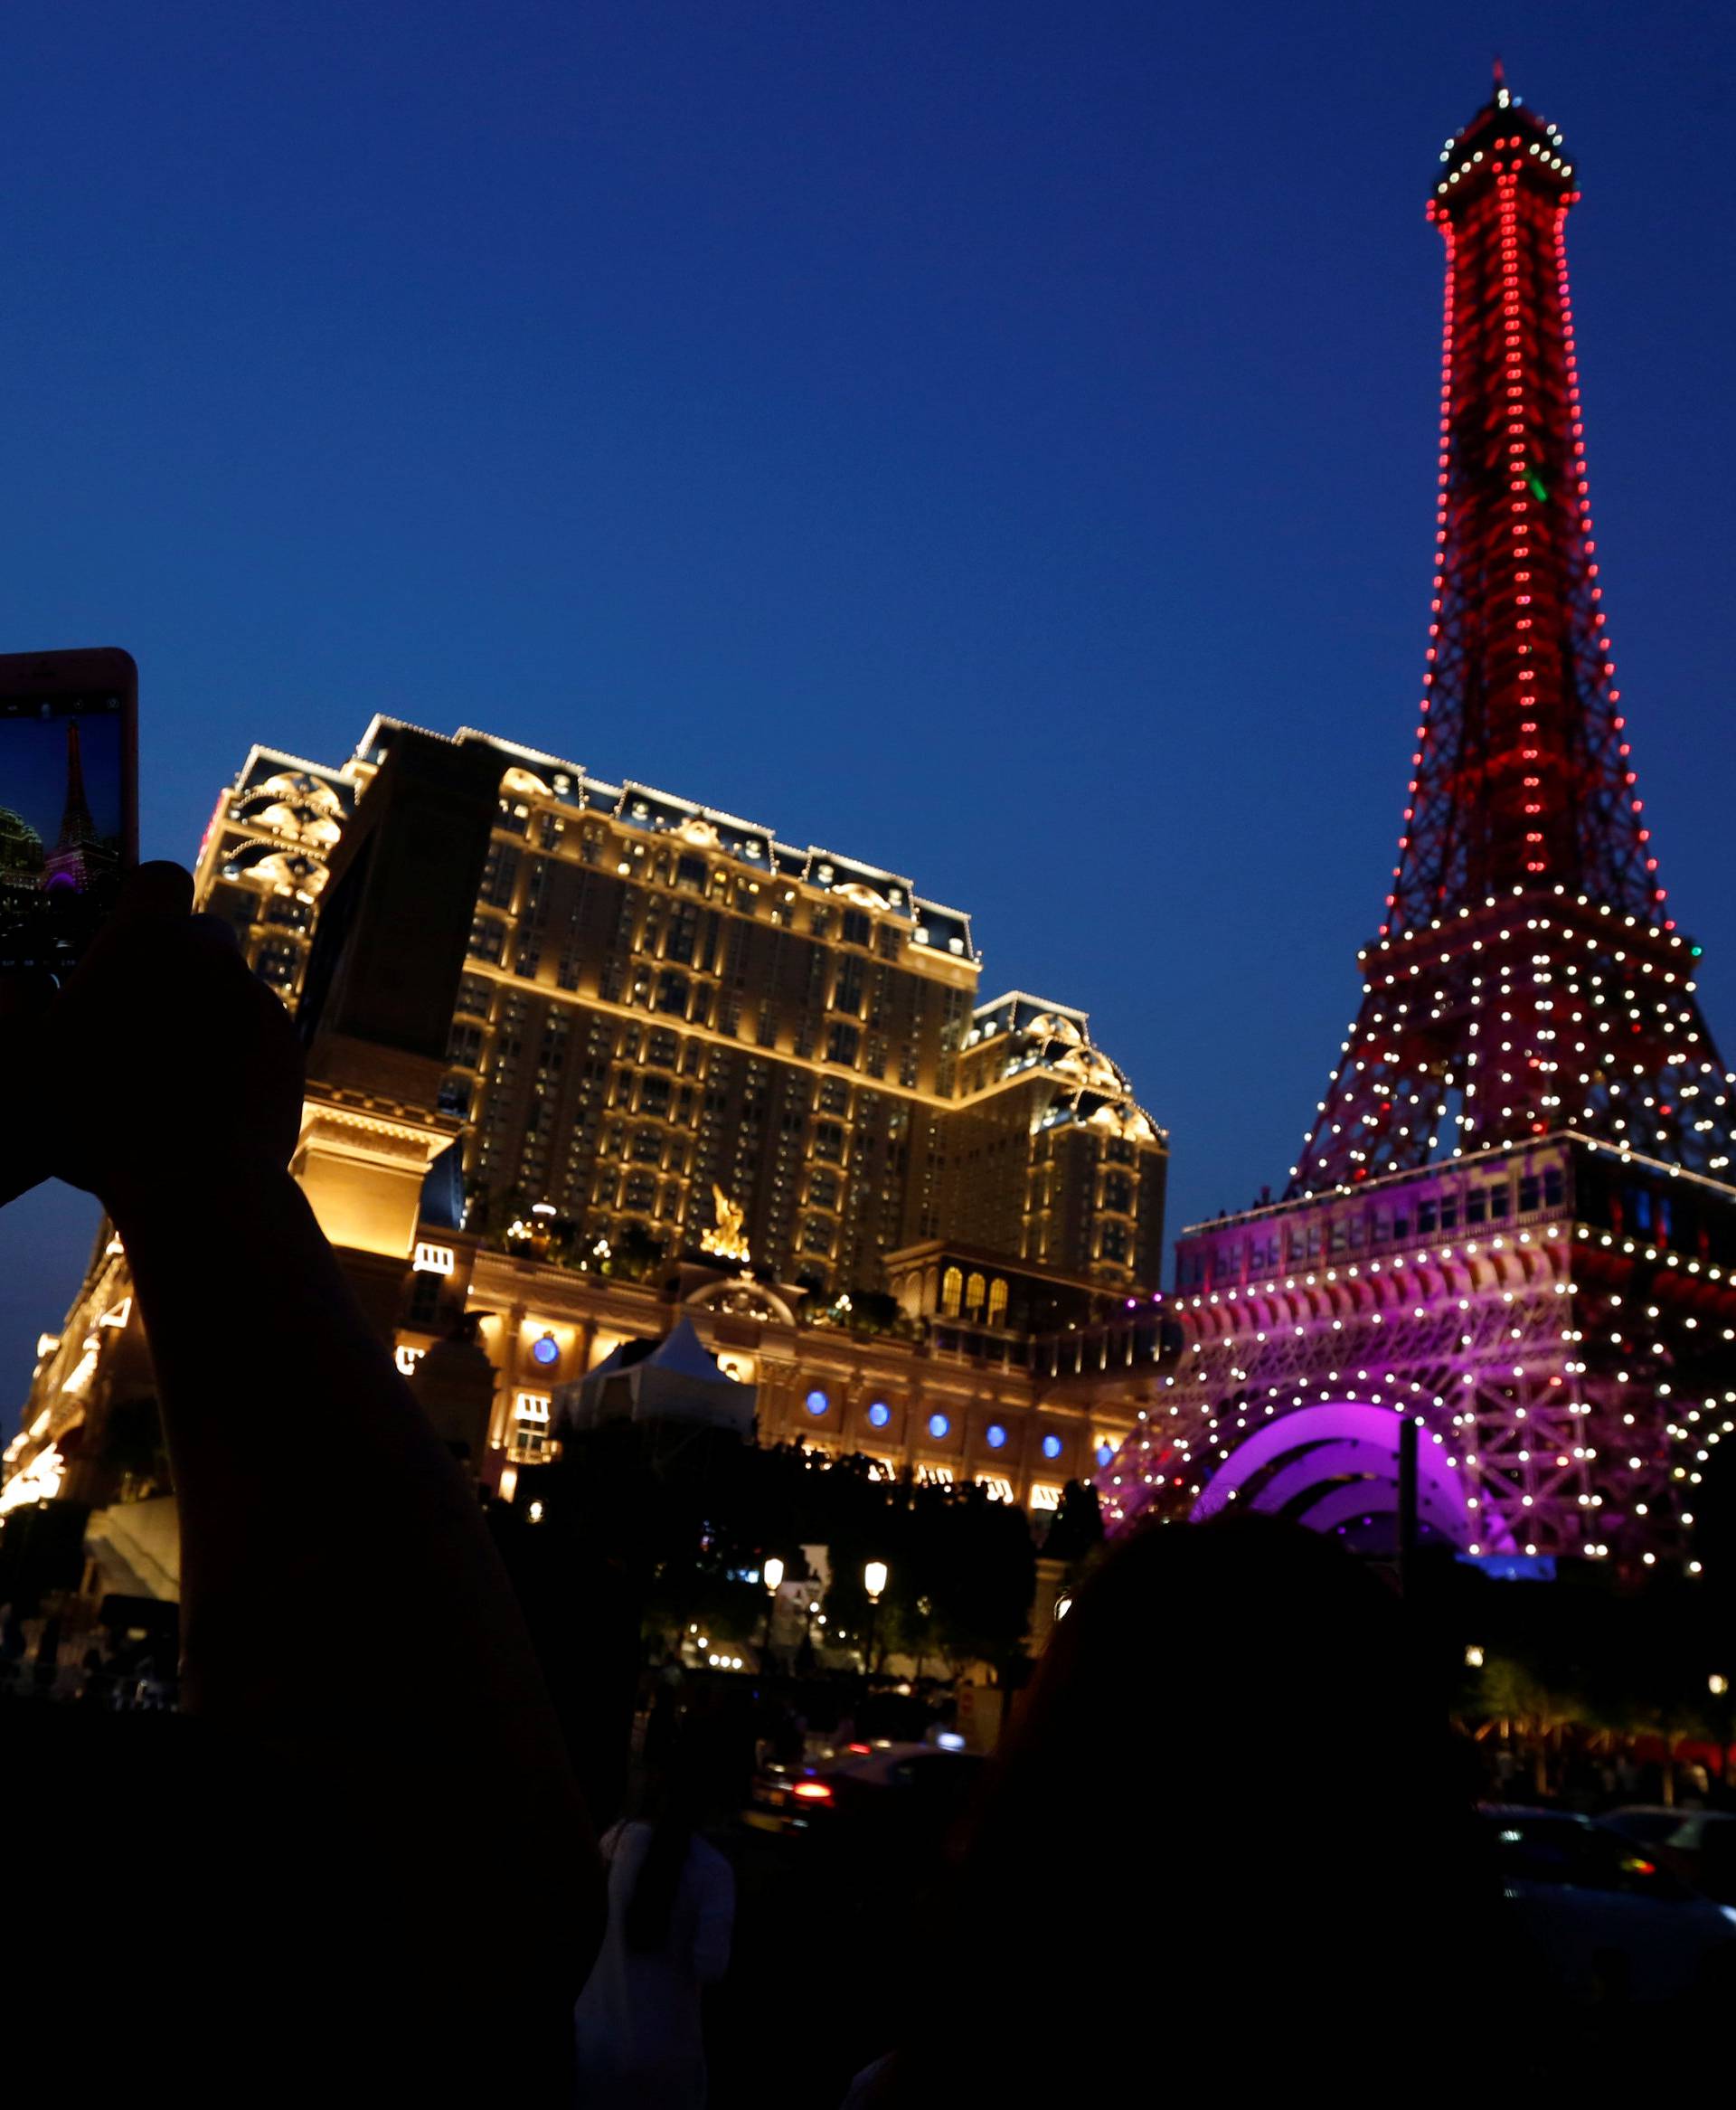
1527 977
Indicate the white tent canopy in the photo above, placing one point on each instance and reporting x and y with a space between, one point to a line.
674 1379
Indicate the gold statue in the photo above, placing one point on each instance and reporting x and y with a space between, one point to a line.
726 1238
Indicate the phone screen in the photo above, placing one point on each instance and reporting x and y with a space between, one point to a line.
64 823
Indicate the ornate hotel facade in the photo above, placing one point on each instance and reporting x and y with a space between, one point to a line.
584 1058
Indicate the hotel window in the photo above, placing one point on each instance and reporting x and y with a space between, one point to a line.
976 1290
846 990
1529 1195
1450 1212
672 993
952 1290
1115 1242
499 874
1499 1202
996 1301
842 1043
1426 1212
425 1298
530 1426
691 871
487 937
1554 1187
654 1096
1477 1206
889 941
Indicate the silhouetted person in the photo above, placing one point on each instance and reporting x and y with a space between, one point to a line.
1226 1829
638 2024
343 1916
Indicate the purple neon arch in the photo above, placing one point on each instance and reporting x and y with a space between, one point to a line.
1315 1469
1321 1444
1371 1497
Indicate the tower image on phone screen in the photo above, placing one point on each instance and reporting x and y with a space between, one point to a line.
62 824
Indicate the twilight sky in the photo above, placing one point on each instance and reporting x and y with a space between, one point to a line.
994 440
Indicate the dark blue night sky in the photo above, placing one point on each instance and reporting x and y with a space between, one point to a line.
996 441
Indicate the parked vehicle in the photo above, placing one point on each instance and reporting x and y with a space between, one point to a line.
1698 1845
1610 1922
864 1784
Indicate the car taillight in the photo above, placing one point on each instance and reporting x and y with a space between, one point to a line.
812 1791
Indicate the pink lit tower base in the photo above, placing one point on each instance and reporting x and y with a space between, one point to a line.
1513 1216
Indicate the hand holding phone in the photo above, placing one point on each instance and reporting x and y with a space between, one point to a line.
69 801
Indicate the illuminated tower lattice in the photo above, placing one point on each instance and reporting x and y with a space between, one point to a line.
69 862
1513 1215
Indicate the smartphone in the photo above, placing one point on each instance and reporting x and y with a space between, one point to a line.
68 800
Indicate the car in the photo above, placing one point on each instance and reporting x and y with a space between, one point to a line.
1699 1845
1607 1920
862 1784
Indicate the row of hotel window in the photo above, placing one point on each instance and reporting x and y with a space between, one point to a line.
685 871
675 996
531 1438
1472 1207
970 1296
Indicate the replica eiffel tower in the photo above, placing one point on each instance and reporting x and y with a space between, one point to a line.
79 850
1513 1216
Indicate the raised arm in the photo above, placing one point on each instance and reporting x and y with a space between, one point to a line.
343 1603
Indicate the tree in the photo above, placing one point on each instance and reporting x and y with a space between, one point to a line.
1077 1529
635 1253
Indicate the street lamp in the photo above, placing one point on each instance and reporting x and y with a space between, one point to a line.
771 1572
875 1576
1717 1684
1474 1657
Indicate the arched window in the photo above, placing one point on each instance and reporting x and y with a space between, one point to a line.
996 1301
975 1290
952 1288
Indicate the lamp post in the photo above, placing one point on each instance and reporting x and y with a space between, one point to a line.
1718 1685
875 1576
771 1573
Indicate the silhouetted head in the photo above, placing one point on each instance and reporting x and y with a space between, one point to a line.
695 1785
1224 1830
